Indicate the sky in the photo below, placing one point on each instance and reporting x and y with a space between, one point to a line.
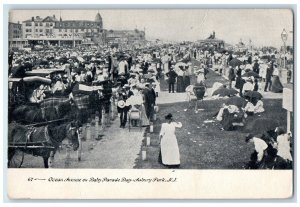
262 26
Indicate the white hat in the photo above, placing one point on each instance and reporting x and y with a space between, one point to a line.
121 104
201 70
126 86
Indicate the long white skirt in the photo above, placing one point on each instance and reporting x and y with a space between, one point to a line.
169 150
166 67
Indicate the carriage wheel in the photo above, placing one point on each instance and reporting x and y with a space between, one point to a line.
16 158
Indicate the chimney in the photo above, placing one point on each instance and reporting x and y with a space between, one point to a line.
54 16
32 18
18 22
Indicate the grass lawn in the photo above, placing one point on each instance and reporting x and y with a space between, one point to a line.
204 145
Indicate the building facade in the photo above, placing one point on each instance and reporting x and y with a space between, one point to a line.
125 37
51 31
14 30
15 37
38 27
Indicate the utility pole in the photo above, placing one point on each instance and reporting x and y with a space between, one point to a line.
284 37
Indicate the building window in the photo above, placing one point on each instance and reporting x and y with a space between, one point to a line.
66 30
70 30
59 30
60 25
66 24
51 24
47 24
47 30
76 30
28 24
41 30
41 24
82 29
92 24
36 30
36 24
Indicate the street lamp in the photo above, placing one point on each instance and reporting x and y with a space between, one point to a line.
284 37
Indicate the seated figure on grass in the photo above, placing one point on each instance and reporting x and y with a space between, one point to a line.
230 116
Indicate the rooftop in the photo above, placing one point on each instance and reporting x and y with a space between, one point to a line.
39 19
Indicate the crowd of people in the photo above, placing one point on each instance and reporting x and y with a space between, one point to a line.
132 79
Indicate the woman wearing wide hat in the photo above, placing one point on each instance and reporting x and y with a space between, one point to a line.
169 150
180 80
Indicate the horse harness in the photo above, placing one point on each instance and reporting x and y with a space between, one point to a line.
33 130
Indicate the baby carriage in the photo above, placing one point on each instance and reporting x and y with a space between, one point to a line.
195 92
135 117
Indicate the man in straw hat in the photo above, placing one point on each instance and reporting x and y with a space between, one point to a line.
123 109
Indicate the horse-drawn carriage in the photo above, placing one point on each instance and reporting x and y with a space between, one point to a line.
42 139
38 128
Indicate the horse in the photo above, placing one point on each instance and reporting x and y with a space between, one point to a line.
48 110
48 137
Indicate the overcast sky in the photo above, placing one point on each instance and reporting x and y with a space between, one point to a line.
262 26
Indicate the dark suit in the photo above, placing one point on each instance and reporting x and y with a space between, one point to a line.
124 95
150 97
269 78
256 67
172 75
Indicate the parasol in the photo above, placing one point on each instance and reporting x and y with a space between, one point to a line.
235 62
225 92
74 54
252 95
80 59
63 60
251 73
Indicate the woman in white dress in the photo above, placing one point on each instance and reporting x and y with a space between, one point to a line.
168 143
